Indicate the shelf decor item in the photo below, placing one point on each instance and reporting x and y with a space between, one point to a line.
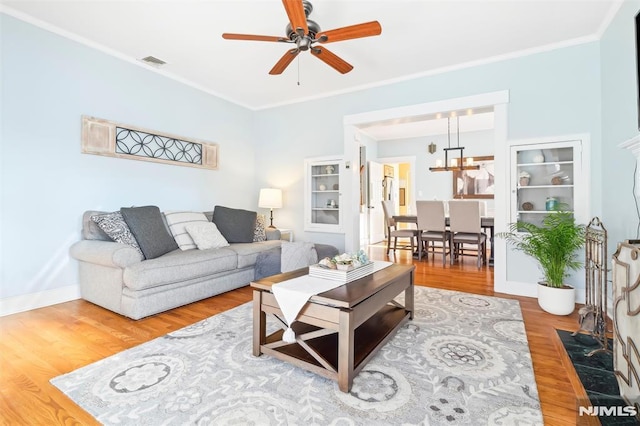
344 267
329 169
551 204
524 178
322 187
527 206
554 246
538 158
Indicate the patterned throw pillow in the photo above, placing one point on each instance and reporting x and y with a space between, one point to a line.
260 234
177 222
116 228
206 235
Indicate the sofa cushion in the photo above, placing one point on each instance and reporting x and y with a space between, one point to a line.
116 228
90 229
148 227
179 266
248 252
260 233
206 235
177 221
236 225
297 255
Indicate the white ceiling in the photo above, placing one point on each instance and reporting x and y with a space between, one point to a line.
419 37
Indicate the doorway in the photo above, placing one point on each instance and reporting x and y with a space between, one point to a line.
353 124
389 179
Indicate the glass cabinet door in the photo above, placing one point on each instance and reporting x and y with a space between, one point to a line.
545 177
323 196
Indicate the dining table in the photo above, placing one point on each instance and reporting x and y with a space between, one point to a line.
486 222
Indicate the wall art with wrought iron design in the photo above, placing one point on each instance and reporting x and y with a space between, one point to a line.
103 137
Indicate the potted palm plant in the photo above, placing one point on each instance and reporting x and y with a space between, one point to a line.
554 245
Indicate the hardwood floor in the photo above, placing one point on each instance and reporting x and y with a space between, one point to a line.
37 345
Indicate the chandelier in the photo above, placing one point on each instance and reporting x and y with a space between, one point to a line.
455 163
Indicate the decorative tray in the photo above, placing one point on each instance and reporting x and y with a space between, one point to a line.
344 276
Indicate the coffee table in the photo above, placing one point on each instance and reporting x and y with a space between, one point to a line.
340 330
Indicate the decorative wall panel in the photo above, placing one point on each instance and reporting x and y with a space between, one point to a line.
107 138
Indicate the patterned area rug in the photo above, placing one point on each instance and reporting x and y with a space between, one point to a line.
464 359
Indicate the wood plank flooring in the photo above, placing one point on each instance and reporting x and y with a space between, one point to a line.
37 345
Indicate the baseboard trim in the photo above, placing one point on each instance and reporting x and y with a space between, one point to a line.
26 302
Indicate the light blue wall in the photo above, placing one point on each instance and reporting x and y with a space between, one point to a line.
436 185
553 93
48 82
619 123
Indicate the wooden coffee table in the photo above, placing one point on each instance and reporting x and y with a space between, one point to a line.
340 330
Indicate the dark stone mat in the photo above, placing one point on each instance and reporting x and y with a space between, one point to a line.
596 375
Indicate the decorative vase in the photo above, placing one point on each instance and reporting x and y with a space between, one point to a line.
343 266
551 204
557 300
538 158
524 181
329 169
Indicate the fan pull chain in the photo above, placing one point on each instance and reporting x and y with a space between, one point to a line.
298 70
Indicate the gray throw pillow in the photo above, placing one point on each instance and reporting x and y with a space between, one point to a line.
148 227
235 225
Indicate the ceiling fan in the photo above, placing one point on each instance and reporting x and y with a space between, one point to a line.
305 33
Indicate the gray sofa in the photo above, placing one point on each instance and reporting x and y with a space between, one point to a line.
117 277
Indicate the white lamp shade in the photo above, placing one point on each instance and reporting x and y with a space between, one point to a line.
270 198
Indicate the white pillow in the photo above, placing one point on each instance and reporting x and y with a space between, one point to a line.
206 235
177 220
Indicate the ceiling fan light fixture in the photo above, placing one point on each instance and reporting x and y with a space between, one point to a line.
305 33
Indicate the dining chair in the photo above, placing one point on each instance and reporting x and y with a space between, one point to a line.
433 228
465 227
394 232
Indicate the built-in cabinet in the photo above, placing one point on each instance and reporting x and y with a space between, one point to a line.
545 177
324 178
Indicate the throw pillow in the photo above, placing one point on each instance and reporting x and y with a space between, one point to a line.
260 234
177 222
297 255
147 226
236 225
206 235
116 228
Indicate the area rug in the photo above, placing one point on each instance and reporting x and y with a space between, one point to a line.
464 359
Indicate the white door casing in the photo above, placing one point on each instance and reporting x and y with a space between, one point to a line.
376 215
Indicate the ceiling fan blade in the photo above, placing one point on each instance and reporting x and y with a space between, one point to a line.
330 59
367 29
251 37
297 17
284 62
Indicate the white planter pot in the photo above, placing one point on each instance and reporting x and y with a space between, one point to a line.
557 301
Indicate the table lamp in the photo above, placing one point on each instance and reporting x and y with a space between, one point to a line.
270 198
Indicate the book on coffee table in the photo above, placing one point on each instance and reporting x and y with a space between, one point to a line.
344 276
